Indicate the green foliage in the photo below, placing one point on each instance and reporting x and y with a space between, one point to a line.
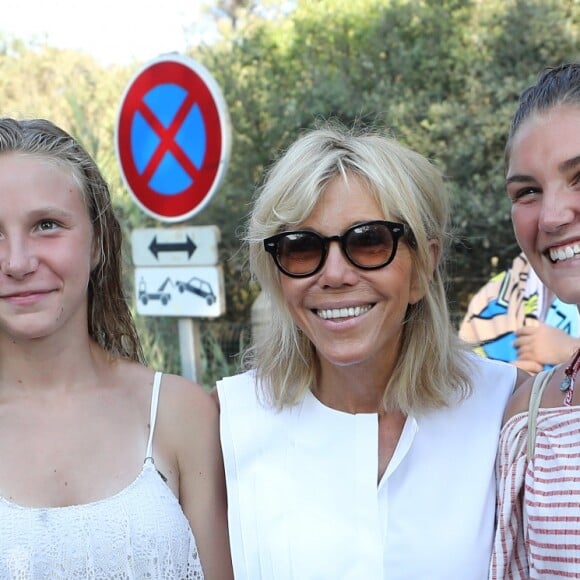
221 348
443 75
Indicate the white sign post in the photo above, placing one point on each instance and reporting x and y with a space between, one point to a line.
176 274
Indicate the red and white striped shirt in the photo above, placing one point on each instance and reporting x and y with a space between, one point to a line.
538 533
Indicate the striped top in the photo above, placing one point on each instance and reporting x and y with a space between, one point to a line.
540 539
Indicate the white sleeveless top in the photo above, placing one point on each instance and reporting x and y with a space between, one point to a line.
303 499
140 532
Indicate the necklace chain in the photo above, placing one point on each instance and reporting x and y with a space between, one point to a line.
567 384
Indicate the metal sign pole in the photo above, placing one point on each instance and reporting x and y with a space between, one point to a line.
190 348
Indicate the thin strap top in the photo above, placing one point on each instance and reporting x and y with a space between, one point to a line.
139 532
153 415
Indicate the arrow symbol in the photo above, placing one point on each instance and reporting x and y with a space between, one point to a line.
187 246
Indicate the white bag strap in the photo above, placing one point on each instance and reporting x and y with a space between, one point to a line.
540 382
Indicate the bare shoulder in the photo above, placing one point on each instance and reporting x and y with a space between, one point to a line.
520 400
189 434
551 397
215 396
184 399
178 395
188 424
522 377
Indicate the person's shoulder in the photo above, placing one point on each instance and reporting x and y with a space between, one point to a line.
487 369
552 395
244 376
243 382
494 374
493 383
520 400
179 397
183 395
188 417
244 394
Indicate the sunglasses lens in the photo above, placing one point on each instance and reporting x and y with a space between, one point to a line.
370 245
300 253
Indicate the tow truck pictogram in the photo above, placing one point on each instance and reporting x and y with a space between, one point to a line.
161 294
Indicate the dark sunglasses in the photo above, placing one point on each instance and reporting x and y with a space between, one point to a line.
369 246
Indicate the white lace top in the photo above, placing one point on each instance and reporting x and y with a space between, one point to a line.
141 532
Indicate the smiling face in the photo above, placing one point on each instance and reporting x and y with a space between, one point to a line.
46 253
352 316
543 183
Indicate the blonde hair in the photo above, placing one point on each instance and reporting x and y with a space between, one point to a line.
431 367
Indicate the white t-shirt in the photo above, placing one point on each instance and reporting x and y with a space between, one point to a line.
303 498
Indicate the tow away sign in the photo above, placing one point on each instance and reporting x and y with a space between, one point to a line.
184 292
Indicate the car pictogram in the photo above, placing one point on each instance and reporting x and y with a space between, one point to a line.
199 287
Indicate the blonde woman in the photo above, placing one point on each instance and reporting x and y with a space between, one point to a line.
361 443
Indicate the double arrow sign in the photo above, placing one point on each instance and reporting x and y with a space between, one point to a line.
157 248
180 246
